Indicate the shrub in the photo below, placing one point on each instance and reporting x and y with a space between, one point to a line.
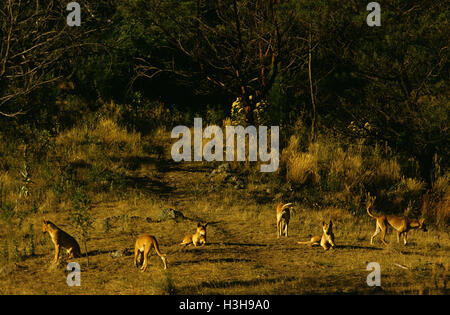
303 168
436 202
346 168
340 174
407 194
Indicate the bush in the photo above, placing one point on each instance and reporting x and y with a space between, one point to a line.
336 173
407 194
303 168
436 202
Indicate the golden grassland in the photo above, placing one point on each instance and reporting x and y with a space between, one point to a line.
243 254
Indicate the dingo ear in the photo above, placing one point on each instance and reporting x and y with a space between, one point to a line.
421 221
323 223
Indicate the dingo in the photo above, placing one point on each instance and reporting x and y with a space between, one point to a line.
198 238
401 224
283 216
325 240
61 240
143 245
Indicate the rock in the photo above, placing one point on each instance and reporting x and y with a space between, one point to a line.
239 184
224 168
213 173
120 253
232 179
236 182
222 175
169 213
221 169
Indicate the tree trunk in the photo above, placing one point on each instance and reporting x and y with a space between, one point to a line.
311 89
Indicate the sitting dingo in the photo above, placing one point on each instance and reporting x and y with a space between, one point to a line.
61 240
143 245
283 216
198 238
401 224
325 240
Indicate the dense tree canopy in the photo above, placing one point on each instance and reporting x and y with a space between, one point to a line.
310 59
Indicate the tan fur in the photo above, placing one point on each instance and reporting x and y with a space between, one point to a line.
283 217
142 247
198 238
401 224
61 240
325 240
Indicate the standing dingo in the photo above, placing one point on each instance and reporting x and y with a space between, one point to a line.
401 224
142 247
283 216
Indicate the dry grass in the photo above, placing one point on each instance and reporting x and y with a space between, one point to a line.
436 203
303 167
83 143
243 255
330 159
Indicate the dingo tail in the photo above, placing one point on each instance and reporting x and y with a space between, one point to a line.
369 203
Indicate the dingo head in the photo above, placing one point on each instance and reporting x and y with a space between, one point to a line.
327 227
44 225
422 225
201 228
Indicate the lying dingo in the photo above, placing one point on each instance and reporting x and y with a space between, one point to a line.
198 238
326 239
